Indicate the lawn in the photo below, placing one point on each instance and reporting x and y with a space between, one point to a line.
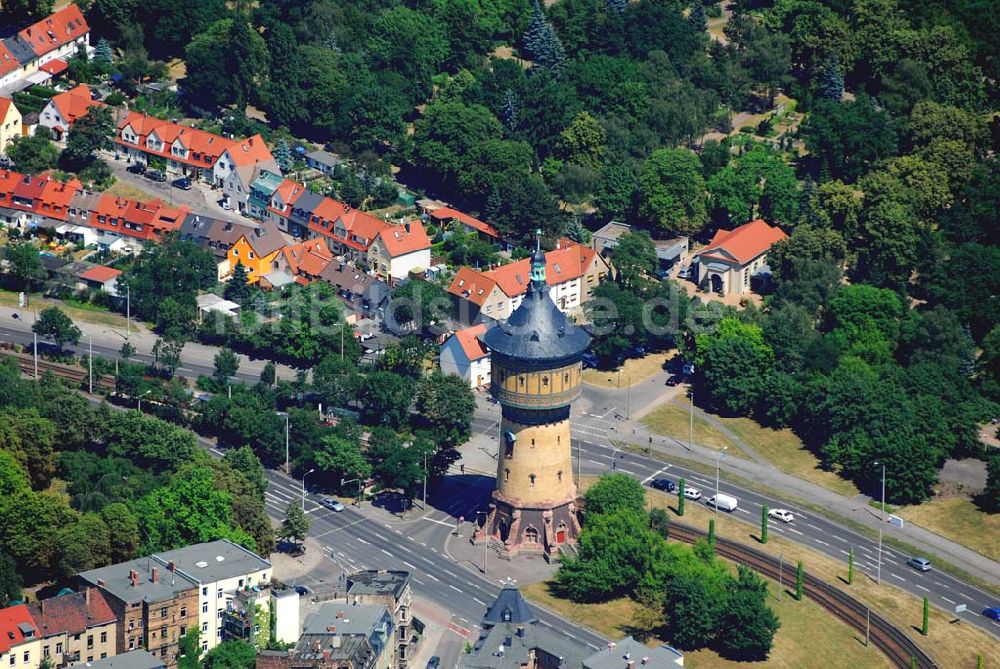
960 644
961 521
632 372
673 420
128 191
809 636
785 451
89 313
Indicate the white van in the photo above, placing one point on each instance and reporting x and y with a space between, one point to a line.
723 501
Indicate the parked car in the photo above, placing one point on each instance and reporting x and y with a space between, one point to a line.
919 563
302 590
434 662
692 494
723 501
784 515
675 379
332 504
184 183
156 175
688 369
589 359
992 612
136 168
684 273
666 485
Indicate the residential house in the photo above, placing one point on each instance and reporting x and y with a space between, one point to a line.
53 38
32 201
668 251
154 606
631 653
443 216
398 250
279 209
347 231
261 190
256 250
136 659
302 210
572 271
729 261
64 109
75 627
464 354
187 151
303 262
10 123
324 161
236 185
20 644
77 227
217 236
102 278
365 295
340 636
138 223
392 590
221 569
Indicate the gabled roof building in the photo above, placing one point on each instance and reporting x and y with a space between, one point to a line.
729 261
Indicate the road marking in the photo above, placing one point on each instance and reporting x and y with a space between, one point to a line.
215 450
386 552
820 541
899 577
439 522
839 538
481 602
454 588
922 587
625 471
844 552
814 527
409 565
741 510
792 529
363 541
571 636
940 584
594 461
435 578
950 601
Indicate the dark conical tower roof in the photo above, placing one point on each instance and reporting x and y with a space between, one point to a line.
537 330
509 607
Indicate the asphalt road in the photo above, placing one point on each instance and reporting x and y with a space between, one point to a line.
809 529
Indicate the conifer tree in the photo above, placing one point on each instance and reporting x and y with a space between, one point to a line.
697 18
534 34
831 84
283 156
616 6
510 110
103 52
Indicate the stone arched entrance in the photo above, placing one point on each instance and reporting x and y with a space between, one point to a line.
717 283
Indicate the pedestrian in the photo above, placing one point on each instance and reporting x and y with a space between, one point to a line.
462 467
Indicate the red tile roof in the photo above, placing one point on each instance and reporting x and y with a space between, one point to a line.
472 344
399 240
288 192
55 30
42 195
55 67
7 61
361 228
141 220
100 274
310 257
10 632
445 214
471 285
72 613
743 243
5 104
75 103
204 148
249 151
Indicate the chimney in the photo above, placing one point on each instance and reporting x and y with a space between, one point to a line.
340 615
331 629
645 661
520 630
612 645
407 226
171 566
133 576
630 664
86 597
155 578
100 583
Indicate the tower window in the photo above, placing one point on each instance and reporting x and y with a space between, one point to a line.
531 478
545 380
559 475
558 438
532 442
506 475
566 377
520 379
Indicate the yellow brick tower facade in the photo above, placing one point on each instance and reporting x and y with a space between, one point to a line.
536 358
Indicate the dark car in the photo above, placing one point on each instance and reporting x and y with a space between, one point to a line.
136 168
156 175
590 359
666 485
184 183
303 590
434 662
992 612
675 379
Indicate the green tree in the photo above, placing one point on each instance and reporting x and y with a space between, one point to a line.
88 135
757 184
697 18
19 11
238 288
420 303
733 361
446 404
635 259
247 60
10 580
396 465
850 566
583 141
925 626
659 520
613 492
24 263
283 156
167 352
189 648
798 581
447 134
412 43
992 491
269 374
123 531
189 267
150 442
672 191
763 524
695 600
681 483
33 154
385 399
246 462
83 545
226 365
847 138
54 324
295 526
615 187
749 624
231 655
831 84
103 52
711 533
341 458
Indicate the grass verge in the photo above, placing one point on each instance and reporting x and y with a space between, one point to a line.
128 191
632 372
89 313
673 420
961 521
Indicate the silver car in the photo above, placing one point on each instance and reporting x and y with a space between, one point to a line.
692 493
332 504
919 563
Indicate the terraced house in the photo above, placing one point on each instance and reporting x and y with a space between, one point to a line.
75 627
32 54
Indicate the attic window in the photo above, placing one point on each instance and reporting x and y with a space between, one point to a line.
557 268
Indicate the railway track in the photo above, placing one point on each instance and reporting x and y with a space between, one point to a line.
75 375
897 646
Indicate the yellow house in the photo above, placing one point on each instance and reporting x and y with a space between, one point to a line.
10 123
20 645
256 250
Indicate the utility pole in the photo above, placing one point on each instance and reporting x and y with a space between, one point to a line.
35 337
90 365
781 568
304 487
128 312
718 465
878 578
691 421
425 482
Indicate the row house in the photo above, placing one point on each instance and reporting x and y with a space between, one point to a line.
573 271
465 355
20 645
217 236
188 151
363 294
75 627
65 109
43 45
136 223
347 231
236 186
256 248
31 201
445 216
10 123
340 636
301 213
302 263
283 200
398 250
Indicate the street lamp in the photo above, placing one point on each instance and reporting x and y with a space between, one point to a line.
425 482
344 482
284 414
141 396
718 465
878 578
304 487
614 458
